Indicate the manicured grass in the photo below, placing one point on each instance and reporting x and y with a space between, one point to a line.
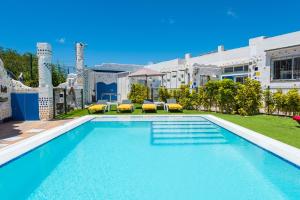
280 128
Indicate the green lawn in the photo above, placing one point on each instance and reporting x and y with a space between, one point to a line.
280 128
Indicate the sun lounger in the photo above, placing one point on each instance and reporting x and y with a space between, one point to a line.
149 106
100 106
126 105
172 105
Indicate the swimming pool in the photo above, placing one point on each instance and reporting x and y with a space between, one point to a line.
149 158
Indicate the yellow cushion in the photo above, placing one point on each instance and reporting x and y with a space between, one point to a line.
125 107
174 106
149 107
95 108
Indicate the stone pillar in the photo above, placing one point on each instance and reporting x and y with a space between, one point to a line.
44 54
80 65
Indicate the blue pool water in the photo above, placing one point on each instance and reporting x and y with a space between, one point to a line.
168 158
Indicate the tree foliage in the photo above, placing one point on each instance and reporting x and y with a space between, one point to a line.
16 63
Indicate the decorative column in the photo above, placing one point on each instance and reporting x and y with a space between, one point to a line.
80 65
44 54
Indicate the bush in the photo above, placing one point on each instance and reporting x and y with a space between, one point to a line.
248 98
211 91
279 99
163 94
196 100
227 90
184 97
138 93
268 101
293 101
230 97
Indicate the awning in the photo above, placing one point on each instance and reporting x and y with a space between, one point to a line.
146 72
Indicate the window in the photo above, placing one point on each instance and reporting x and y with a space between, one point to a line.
240 79
282 69
296 71
239 69
228 69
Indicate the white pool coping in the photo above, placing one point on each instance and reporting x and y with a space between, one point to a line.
17 149
285 151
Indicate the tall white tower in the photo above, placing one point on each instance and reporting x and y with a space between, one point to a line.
44 54
80 64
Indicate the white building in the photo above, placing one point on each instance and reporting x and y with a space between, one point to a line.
104 81
274 61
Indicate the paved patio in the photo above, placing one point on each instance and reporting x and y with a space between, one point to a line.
14 131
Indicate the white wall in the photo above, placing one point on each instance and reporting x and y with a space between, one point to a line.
123 85
255 55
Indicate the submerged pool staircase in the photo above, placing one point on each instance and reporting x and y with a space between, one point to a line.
185 133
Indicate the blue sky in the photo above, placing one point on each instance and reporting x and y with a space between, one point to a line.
141 31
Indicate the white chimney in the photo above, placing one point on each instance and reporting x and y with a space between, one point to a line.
44 54
79 56
187 56
221 48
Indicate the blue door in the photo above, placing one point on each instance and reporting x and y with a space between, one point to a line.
25 106
106 91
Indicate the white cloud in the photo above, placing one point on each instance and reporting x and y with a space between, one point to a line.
61 40
231 13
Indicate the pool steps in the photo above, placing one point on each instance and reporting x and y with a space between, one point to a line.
185 133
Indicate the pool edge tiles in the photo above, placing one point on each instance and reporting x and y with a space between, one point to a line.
20 148
284 151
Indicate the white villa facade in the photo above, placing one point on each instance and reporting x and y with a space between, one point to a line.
274 61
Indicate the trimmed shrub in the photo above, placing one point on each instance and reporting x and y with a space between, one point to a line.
227 90
248 98
163 94
293 101
211 91
269 103
279 99
184 97
138 93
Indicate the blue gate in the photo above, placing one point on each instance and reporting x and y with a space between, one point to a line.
25 106
106 91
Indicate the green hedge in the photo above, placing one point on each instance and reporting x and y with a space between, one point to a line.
226 96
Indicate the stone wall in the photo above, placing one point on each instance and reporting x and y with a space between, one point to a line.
5 91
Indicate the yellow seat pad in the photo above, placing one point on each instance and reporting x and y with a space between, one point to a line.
174 106
125 107
149 107
98 107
